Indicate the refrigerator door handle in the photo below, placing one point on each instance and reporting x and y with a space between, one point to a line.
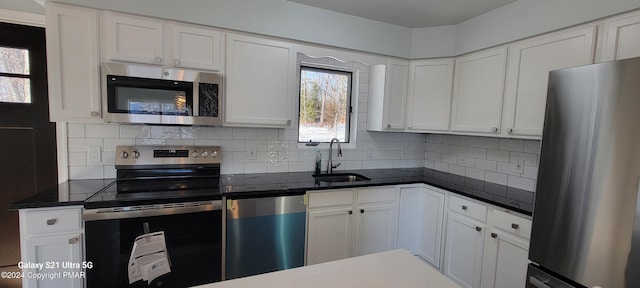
537 283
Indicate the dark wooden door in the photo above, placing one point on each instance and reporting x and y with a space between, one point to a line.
28 161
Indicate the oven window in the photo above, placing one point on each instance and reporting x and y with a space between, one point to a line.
151 101
149 96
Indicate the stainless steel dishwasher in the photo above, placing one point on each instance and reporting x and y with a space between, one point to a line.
264 235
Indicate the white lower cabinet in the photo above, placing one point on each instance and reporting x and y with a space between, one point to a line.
463 250
420 224
52 237
351 222
506 251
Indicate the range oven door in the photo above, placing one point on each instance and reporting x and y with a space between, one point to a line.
193 238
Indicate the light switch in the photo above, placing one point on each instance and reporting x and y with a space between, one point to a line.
95 154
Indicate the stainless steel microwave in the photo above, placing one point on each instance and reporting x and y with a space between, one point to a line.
135 93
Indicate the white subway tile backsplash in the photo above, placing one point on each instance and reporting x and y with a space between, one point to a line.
487 165
451 159
494 177
150 142
110 144
451 139
86 172
75 130
530 172
489 143
135 131
498 155
521 183
109 171
527 159
207 142
101 131
469 141
179 142
165 132
475 173
245 133
435 156
77 158
267 134
232 145
507 168
440 166
516 145
458 150
478 153
532 146
458 170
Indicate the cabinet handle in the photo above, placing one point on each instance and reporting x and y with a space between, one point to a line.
410 127
52 221
73 240
515 226
288 122
509 130
361 211
495 129
95 114
464 207
176 62
494 235
158 60
478 229
350 212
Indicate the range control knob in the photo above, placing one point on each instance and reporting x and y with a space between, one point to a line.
124 154
136 154
195 154
204 154
214 154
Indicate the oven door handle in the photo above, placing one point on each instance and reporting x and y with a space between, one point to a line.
150 210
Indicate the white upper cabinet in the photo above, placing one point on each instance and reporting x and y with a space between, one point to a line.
133 39
260 82
151 41
621 37
194 47
73 63
387 96
429 98
528 74
478 92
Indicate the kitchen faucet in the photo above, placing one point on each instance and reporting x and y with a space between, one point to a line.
330 163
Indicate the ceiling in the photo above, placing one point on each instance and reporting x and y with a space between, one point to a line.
410 13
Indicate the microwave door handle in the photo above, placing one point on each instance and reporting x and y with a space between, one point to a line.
195 103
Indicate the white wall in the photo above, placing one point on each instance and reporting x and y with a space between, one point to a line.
276 18
433 42
525 18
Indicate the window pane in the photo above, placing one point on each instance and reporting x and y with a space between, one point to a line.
15 90
324 104
14 61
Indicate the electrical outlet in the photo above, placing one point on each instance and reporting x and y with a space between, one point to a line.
369 153
94 154
252 154
518 166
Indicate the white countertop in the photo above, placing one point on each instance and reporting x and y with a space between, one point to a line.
396 268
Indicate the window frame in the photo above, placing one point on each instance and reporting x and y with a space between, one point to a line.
353 101
28 76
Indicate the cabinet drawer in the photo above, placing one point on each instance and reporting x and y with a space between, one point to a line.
513 224
375 195
330 198
466 207
52 221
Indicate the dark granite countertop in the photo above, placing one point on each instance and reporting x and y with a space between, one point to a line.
74 192
237 186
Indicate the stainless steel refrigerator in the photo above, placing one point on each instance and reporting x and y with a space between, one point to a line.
586 219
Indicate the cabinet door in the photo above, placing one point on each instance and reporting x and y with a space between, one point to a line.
463 255
429 99
396 95
259 81
57 250
410 218
478 92
133 39
528 75
505 261
431 239
73 63
621 37
329 235
196 48
376 228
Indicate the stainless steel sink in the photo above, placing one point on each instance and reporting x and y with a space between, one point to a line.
340 177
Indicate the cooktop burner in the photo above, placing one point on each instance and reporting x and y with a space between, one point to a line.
161 174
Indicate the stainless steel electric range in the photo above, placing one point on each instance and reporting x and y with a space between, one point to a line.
165 190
